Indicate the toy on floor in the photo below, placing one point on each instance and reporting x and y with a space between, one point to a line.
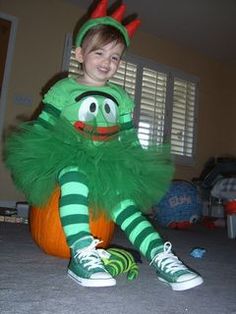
180 207
198 252
118 261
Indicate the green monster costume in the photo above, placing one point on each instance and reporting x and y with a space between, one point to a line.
84 141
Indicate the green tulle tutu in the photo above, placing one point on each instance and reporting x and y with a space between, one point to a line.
117 169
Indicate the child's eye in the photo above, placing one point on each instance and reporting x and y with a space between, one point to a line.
99 53
115 58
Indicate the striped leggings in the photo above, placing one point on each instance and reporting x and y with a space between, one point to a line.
74 215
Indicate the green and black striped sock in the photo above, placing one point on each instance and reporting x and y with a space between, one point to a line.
74 213
138 229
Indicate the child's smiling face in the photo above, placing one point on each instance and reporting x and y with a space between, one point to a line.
101 64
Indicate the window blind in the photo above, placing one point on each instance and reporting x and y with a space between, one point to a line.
74 66
152 107
183 113
126 77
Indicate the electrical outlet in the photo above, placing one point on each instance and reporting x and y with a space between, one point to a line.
23 100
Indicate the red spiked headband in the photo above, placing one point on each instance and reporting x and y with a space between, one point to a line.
99 17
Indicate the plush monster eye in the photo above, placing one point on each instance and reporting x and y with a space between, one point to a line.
88 109
110 110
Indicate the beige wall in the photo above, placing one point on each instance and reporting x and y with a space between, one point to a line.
38 57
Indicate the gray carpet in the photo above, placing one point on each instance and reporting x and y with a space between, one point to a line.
33 282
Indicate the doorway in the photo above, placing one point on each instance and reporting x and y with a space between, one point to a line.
8 26
5 28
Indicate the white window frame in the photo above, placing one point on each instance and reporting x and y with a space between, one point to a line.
171 74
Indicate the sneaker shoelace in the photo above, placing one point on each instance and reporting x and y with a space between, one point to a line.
167 261
90 255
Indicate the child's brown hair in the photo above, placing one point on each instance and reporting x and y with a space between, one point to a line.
102 35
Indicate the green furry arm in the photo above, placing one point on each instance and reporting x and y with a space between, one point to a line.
48 116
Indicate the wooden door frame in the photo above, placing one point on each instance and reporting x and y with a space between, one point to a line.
7 70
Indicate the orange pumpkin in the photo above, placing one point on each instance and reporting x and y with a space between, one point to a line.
47 232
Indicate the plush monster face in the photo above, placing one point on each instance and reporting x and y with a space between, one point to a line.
97 109
97 114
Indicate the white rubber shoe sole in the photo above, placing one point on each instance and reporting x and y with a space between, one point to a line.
184 285
102 280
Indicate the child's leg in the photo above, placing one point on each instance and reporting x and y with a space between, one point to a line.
147 240
85 266
137 228
74 204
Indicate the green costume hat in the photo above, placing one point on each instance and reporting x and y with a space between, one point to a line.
99 17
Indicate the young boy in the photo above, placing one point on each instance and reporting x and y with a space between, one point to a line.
84 141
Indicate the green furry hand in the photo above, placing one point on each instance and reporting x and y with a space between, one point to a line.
118 261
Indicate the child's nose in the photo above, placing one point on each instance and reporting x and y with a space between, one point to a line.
106 61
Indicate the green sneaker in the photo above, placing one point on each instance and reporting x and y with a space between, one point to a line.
173 272
86 267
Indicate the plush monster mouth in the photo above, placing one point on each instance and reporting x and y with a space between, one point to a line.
96 133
